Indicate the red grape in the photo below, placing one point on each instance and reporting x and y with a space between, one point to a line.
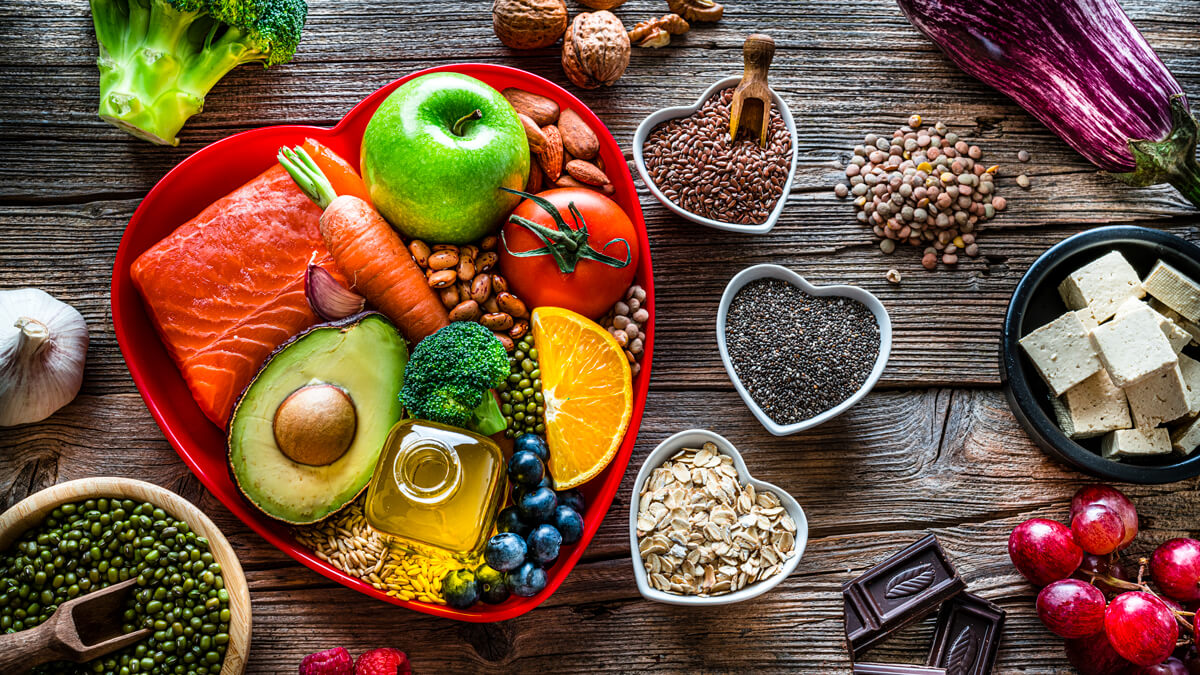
1071 608
1044 551
1191 660
1117 570
1094 655
1171 666
1141 628
1095 564
1113 499
1097 529
1175 567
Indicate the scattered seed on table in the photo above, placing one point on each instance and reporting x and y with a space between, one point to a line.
796 354
1023 181
1023 156
841 190
893 275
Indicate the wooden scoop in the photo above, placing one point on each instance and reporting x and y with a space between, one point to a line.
751 107
80 630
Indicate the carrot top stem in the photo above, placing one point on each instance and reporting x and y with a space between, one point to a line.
308 176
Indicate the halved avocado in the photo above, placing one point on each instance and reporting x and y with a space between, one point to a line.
306 433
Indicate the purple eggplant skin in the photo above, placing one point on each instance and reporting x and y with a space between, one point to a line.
1082 69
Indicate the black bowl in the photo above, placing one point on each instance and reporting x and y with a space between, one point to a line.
1036 302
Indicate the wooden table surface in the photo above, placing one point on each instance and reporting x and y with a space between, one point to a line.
935 448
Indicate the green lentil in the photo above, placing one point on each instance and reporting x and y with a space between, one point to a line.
91 544
521 395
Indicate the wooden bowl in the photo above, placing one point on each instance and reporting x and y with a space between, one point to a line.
33 509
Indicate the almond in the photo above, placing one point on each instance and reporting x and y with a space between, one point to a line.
577 137
534 185
567 181
537 108
551 156
586 172
537 140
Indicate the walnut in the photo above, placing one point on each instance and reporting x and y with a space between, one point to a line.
657 32
595 49
529 24
697 11
602 4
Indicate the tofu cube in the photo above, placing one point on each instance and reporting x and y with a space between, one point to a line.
1159 398
1136 442
1186 439
1190 369
1178 337
1062 353
1174 290
1132 347
1085 317
1093 408
1101 286
1191 328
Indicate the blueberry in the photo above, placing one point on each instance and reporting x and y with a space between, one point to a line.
505 551
527 580
459 588
572 498
510 521
538 506
493 586
569 524
543 545
526 468
533 443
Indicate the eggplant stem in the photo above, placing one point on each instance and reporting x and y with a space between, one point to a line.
1171 159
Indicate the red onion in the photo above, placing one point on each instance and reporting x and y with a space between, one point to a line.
328 298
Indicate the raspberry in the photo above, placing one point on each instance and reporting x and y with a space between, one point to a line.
334 661
383 661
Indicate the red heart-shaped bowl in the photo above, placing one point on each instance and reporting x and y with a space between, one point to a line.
223 166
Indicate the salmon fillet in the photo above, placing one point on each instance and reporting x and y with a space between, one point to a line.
227 287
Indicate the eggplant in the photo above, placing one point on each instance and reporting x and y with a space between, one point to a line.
1082 69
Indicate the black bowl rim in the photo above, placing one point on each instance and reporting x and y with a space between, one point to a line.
1025 407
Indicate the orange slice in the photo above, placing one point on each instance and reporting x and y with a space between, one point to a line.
588 392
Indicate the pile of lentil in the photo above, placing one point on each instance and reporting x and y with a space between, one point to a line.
695 163
521 399
925 186
799 355
347 542
88 545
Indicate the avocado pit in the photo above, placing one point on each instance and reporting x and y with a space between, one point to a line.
315 424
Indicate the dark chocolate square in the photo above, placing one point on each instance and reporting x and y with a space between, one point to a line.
967 637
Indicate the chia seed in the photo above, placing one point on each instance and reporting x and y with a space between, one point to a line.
799 355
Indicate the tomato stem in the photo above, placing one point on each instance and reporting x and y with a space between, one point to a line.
567 245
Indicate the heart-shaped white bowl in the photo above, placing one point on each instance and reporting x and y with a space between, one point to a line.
853 292
694 438
657 118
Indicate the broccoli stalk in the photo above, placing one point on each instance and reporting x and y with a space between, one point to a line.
159 58
449 376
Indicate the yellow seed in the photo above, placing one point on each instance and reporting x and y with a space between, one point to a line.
958 241
925 166
993 169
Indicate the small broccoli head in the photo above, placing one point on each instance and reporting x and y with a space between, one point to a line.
451 371
272 27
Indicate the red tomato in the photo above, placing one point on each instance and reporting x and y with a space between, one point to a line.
594 286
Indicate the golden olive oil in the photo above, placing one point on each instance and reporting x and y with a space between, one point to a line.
437 486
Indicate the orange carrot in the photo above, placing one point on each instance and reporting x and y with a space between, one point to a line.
369 252
341 174
371 255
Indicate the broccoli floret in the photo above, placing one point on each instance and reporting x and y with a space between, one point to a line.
158 58
449 374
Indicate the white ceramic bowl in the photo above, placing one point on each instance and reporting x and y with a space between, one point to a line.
777 272
694 438
648 125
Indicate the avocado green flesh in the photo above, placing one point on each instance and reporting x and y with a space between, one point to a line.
366 359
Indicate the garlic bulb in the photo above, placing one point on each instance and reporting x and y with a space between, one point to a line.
43 344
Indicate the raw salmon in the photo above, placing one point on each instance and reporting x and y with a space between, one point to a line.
227 287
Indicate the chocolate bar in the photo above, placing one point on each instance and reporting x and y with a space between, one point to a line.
902 589
967 636
895 669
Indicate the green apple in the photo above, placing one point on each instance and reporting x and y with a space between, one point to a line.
436 153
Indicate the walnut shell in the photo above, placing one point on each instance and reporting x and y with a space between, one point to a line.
595 49
529 24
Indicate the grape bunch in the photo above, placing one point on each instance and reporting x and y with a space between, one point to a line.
1113 621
